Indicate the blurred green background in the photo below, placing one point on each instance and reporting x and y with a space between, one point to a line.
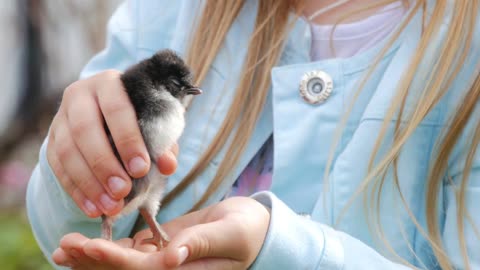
45 44
19 249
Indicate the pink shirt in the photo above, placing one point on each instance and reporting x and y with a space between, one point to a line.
353 38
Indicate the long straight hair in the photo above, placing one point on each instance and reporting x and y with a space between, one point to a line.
265 48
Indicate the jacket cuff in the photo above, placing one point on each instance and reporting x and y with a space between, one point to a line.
55 190
296 242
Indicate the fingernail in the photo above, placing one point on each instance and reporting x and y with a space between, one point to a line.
182 254
167 163
68 264
170 155
90 207
116 184
137 165
107 202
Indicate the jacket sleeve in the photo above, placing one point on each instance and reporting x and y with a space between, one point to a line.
296 242
51 212
450 232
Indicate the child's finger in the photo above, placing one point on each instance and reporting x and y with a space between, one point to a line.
121 119
144 247
77 169
167 163
73 241
85 204
73 245
60 257
111 254
86 128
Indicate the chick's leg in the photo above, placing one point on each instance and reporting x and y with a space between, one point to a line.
160 237
107 224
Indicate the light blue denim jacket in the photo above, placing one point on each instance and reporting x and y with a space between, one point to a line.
303 135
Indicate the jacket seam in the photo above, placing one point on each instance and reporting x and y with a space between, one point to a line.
137 16
395 120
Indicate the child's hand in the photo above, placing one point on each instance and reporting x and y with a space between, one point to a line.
226 235
79 151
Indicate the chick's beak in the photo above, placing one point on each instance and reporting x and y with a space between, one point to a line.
194 91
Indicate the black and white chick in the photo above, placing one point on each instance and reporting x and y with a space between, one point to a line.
155 87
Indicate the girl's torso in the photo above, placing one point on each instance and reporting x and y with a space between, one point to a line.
303 133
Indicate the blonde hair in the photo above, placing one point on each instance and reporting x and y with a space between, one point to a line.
265 47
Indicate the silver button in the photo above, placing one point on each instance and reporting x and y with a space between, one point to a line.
316 86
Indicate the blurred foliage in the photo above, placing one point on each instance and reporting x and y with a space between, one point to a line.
18 248
38 37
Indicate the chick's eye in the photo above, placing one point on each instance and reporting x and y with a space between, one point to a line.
176 82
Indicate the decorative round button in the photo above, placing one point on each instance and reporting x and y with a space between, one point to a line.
316 86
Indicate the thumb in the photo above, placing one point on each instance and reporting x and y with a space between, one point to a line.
212 264
217 239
